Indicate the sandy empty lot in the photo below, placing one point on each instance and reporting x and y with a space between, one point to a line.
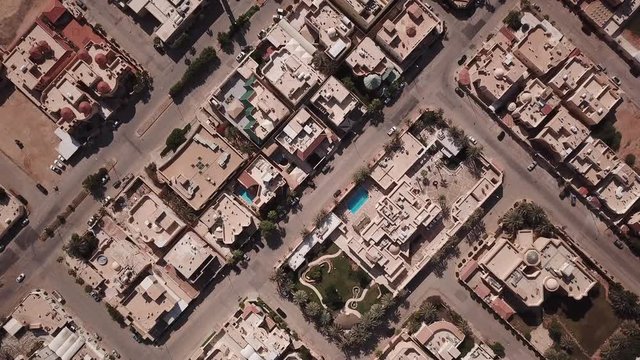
627 116
17 16
20 119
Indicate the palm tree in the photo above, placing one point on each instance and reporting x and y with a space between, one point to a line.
300 297
313 309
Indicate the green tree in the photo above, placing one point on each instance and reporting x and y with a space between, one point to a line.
348 83
555 331
332 298
428 312
624 344
300 297
236 257
283 281
313 309
630 159
553 354
93 184
81 247
375 106
624 302
361 175
272 215
175 139
513 19
315 274
324 63
498 349
267 228
224 39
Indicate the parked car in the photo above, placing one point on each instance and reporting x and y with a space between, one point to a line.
91 220
392 131
459 91
473 140
247 48
1 248
262 34
462 59
501 135
573 199
25 221
81 5
616 80
55 169
241 56
56 295
532 166
117 183
281 12
277 18
619 244
20 278
42 189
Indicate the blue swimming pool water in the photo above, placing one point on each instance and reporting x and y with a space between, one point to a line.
244 193
357 199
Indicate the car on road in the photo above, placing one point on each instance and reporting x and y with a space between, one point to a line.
117 183
1 248
616 80
281 313
619 244
55 169
81 5
42 189
24 222
281 12
20 278
392 131
241 56
501 135
462 59
573 199
459 91
56 295
532 166
473 140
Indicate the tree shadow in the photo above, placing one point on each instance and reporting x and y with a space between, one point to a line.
197 81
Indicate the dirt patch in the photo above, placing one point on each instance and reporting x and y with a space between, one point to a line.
21 120
632 31
627 116
17 16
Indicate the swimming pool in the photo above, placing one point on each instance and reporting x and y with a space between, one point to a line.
244 193
357 199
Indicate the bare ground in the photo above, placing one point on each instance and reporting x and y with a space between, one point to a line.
627 116
17 16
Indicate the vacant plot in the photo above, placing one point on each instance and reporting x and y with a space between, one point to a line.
21 120
17 16
632 31
627 116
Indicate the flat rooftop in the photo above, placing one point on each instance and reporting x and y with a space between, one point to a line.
413 26
362 12
543 48
227 220
595 97
169 13
594 161
289 66
368 58
153 222
534 104
403 347
11 210
335 101
563 134
199 169
573 73
394 164
621 190
248 104
303 134
190 255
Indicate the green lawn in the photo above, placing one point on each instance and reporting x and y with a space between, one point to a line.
371 298
591 320
342 276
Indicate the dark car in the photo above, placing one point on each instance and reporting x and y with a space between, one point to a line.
501 135
462 60
619 244
459 91
42 189
281 313
22 199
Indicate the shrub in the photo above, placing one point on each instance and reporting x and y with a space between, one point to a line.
555 331
498 349
513 19
333 299
88 288
195 70
630 159
81 247
315 274
175 139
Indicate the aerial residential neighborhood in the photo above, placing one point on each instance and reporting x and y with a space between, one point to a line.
315 180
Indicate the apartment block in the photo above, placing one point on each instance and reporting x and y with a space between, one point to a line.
562 135
408 28
320 22
193 259
534 104
363 13
288 63
543 48
369 59
620 190
438 341
594 98
337 106
531 269
174 16
594 161
201 167
571 75
247 103
494 74
251 333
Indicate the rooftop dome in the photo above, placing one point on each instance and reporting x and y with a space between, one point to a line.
526 97
551 284
103 88
372 81
35 54
394 249
101 60
84 56
85 108
532 257
66 114
498 73
511 107
411 31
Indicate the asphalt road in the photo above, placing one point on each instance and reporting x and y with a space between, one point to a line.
42 271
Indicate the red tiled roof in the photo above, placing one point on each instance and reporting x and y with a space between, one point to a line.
502 308
508 34
595 202
508 120
80 34
482 290
55 13
312 147
468 270
546 109
583 191
246 180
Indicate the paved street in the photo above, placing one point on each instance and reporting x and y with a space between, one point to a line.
38 259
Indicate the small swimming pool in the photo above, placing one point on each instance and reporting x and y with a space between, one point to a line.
357 199
244 193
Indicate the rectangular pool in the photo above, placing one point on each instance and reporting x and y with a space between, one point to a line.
244 193
357 199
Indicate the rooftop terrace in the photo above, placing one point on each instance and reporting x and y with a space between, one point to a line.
594 161
562 134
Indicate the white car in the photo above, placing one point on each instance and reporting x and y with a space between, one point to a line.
532 166
55 169
392 131
20 278
241 56
473 140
